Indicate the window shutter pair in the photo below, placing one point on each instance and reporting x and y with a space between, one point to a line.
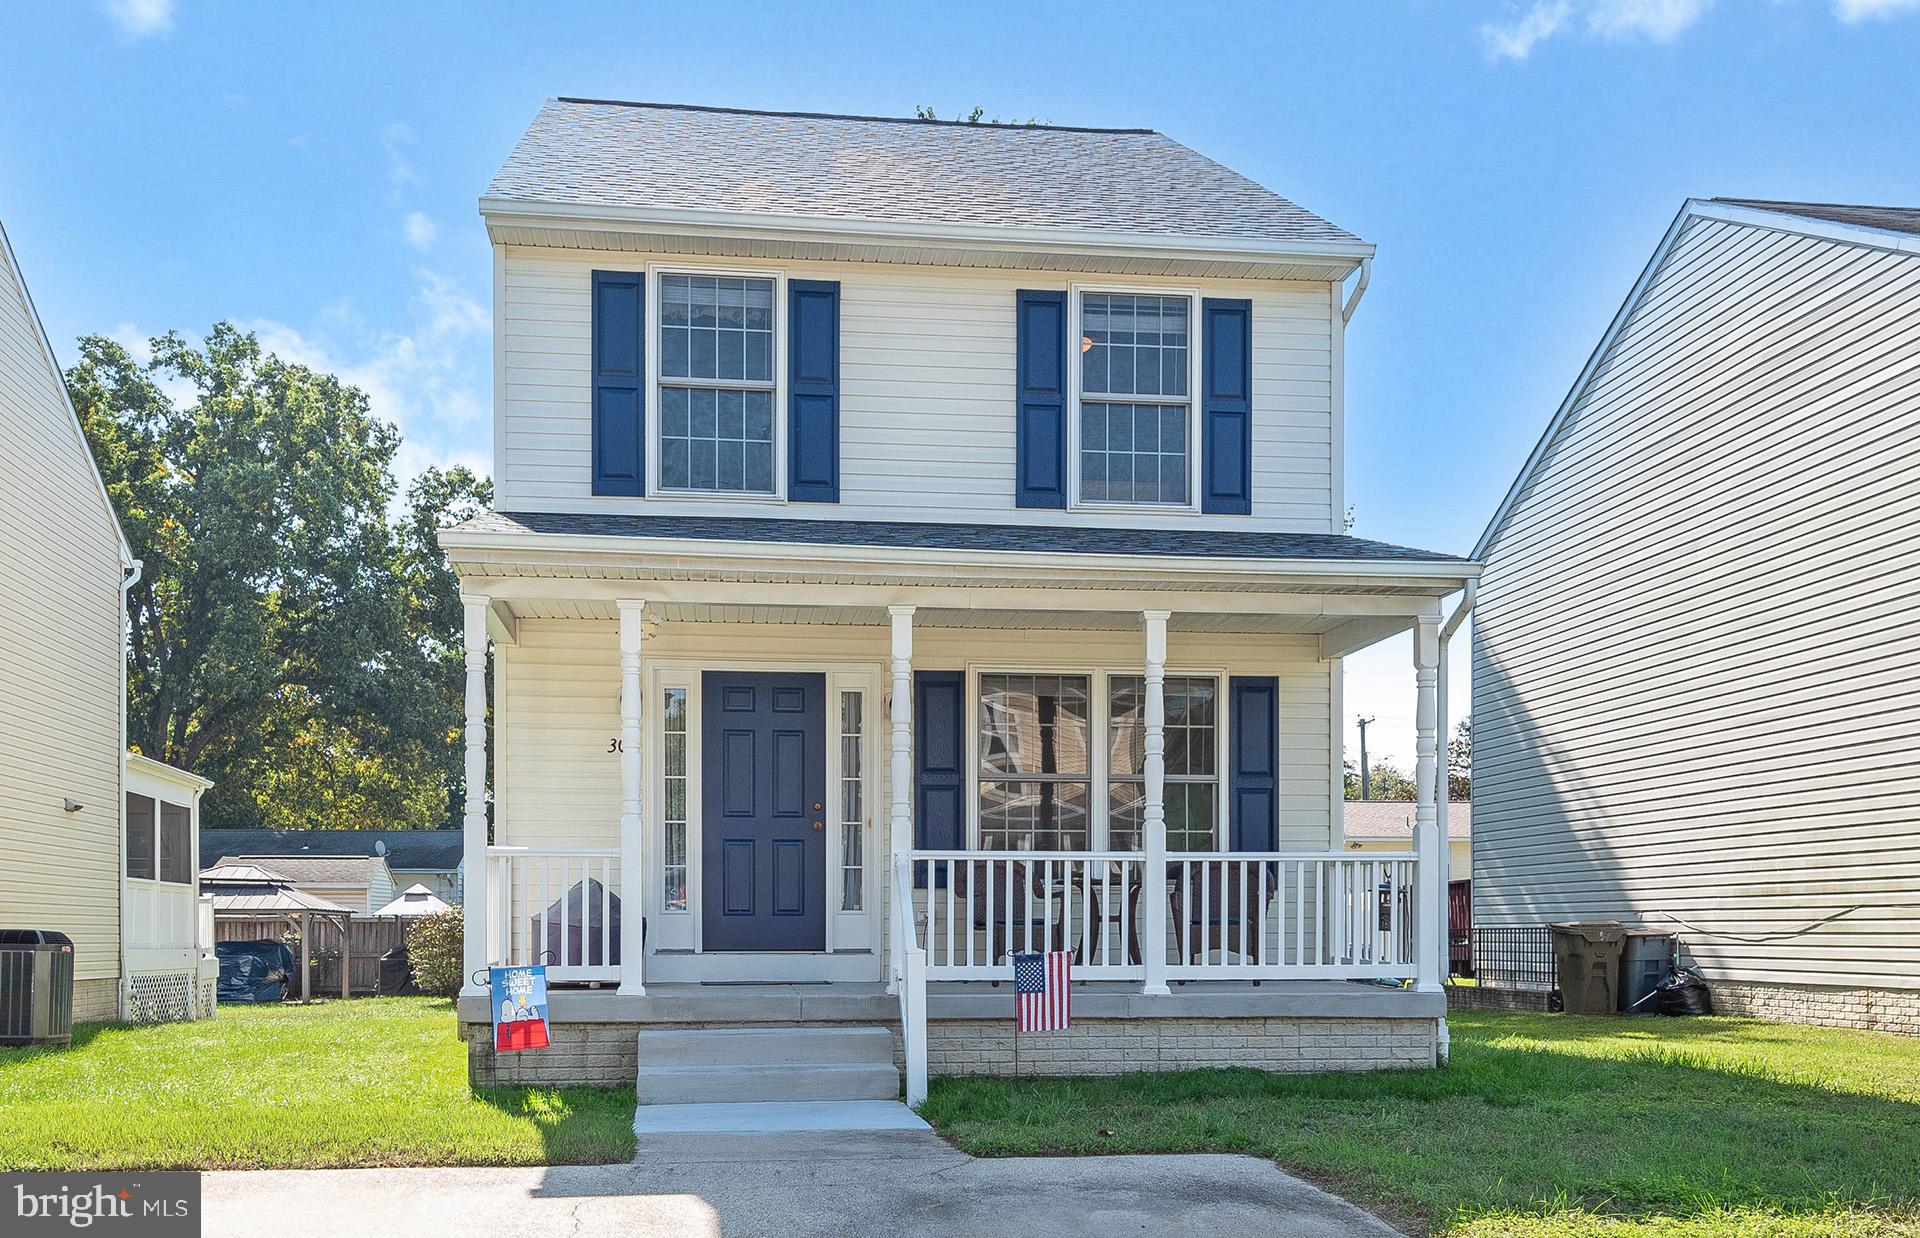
1225 406
619 378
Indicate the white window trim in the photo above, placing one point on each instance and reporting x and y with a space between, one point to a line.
654 420
1098 725
193 836
1074 398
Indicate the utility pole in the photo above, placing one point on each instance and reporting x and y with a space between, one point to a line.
1366 776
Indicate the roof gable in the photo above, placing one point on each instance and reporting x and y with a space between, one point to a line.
1133 182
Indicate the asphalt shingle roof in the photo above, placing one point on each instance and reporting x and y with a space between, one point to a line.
931 535
350 870
590 152
406 849
1890 218
1394 819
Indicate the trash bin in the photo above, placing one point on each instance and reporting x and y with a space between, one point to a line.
396 972
36 987
1586 954
1646 959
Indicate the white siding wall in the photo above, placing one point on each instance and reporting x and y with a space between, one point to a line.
559 785
59 659
1695 695
927 395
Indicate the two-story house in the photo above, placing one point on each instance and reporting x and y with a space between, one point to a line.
920 542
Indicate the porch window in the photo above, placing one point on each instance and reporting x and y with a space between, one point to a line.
140 836
716 384
1135 408
1036 784
176 843
853 816
1192 760
673 769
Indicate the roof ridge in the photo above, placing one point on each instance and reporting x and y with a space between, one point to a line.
1845 206
886 120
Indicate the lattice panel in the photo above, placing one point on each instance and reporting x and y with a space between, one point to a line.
162 997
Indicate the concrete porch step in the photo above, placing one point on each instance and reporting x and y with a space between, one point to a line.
765 1064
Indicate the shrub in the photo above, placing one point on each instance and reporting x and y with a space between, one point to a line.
434 947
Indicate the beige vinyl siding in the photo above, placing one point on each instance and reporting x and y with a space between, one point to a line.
558 783
1695 696
60 670
927 394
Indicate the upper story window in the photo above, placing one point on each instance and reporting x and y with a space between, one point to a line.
1136 415
716 383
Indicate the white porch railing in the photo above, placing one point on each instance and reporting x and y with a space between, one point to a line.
910 982
1229 915
557 906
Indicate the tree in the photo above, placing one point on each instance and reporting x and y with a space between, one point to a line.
1389 781
289 634
1460 761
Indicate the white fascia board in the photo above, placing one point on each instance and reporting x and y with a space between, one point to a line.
160 771
1864 235
871 231
798 556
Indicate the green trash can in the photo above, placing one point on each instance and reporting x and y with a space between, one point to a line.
1586 954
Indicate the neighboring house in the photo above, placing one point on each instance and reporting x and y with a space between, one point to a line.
1387 825
1694 648
360 883
910 535
70 859
431 858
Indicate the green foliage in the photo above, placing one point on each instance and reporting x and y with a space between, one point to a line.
434 947
975 117
1390 782
292 633
1460 761
374 1081
1541 1125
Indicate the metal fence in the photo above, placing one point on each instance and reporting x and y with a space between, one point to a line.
1514 958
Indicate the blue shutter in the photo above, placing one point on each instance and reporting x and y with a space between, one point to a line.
939 763
813 391
1226 407
619 382
1253 762
1040 446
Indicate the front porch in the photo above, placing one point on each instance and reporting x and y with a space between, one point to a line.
1131 758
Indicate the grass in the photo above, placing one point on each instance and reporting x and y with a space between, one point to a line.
1543 1125
375 1081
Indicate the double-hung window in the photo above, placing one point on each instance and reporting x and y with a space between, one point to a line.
1136 406
1036 778
716 383
1192 757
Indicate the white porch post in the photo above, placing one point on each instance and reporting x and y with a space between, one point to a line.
633 886
1430 922
900 738
476 953
1153 893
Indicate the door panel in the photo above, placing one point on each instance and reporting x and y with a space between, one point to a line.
765 781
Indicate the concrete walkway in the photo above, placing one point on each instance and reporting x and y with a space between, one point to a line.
790 1186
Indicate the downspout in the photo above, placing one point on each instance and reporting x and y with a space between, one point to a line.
1440 791
1359 290
131 571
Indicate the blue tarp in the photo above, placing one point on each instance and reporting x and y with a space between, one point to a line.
253 971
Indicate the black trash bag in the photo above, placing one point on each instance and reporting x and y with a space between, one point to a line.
1685 992
396 973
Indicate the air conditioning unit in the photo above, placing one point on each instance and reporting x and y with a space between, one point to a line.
36 987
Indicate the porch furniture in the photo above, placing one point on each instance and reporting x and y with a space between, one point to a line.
1011 906
1222 907
1118 910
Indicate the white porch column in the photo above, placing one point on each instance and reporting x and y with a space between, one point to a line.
633 870
476 952
1153 894
900 737
1430 919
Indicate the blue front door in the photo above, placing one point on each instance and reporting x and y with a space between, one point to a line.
764 786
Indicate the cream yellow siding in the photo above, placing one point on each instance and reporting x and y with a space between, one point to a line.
1695 695
926 394
60 657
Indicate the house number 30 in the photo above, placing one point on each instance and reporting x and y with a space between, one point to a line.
614 745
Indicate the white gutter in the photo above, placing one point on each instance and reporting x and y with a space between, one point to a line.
1440 793
1359 290
131 576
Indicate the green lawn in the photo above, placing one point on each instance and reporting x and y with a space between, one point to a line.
1542 1125
375 1081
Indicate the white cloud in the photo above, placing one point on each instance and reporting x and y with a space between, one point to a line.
1659 20
395 140
1851 11
141 19
420 229
1514 40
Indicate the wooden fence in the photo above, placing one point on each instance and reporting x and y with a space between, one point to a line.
368 939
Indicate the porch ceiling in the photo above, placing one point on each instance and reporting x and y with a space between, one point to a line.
924 617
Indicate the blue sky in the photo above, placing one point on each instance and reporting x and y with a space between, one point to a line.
312 171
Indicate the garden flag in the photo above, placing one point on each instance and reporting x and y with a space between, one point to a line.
519 1007
1041 983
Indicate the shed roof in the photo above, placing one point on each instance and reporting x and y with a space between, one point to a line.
415 900
434 850
616 154
345 870
237 888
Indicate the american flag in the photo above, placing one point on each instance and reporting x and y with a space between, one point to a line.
1042 982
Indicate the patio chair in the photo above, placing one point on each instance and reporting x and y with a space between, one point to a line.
1213 903
1011 925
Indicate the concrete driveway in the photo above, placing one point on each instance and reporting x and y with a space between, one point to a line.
791 1186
